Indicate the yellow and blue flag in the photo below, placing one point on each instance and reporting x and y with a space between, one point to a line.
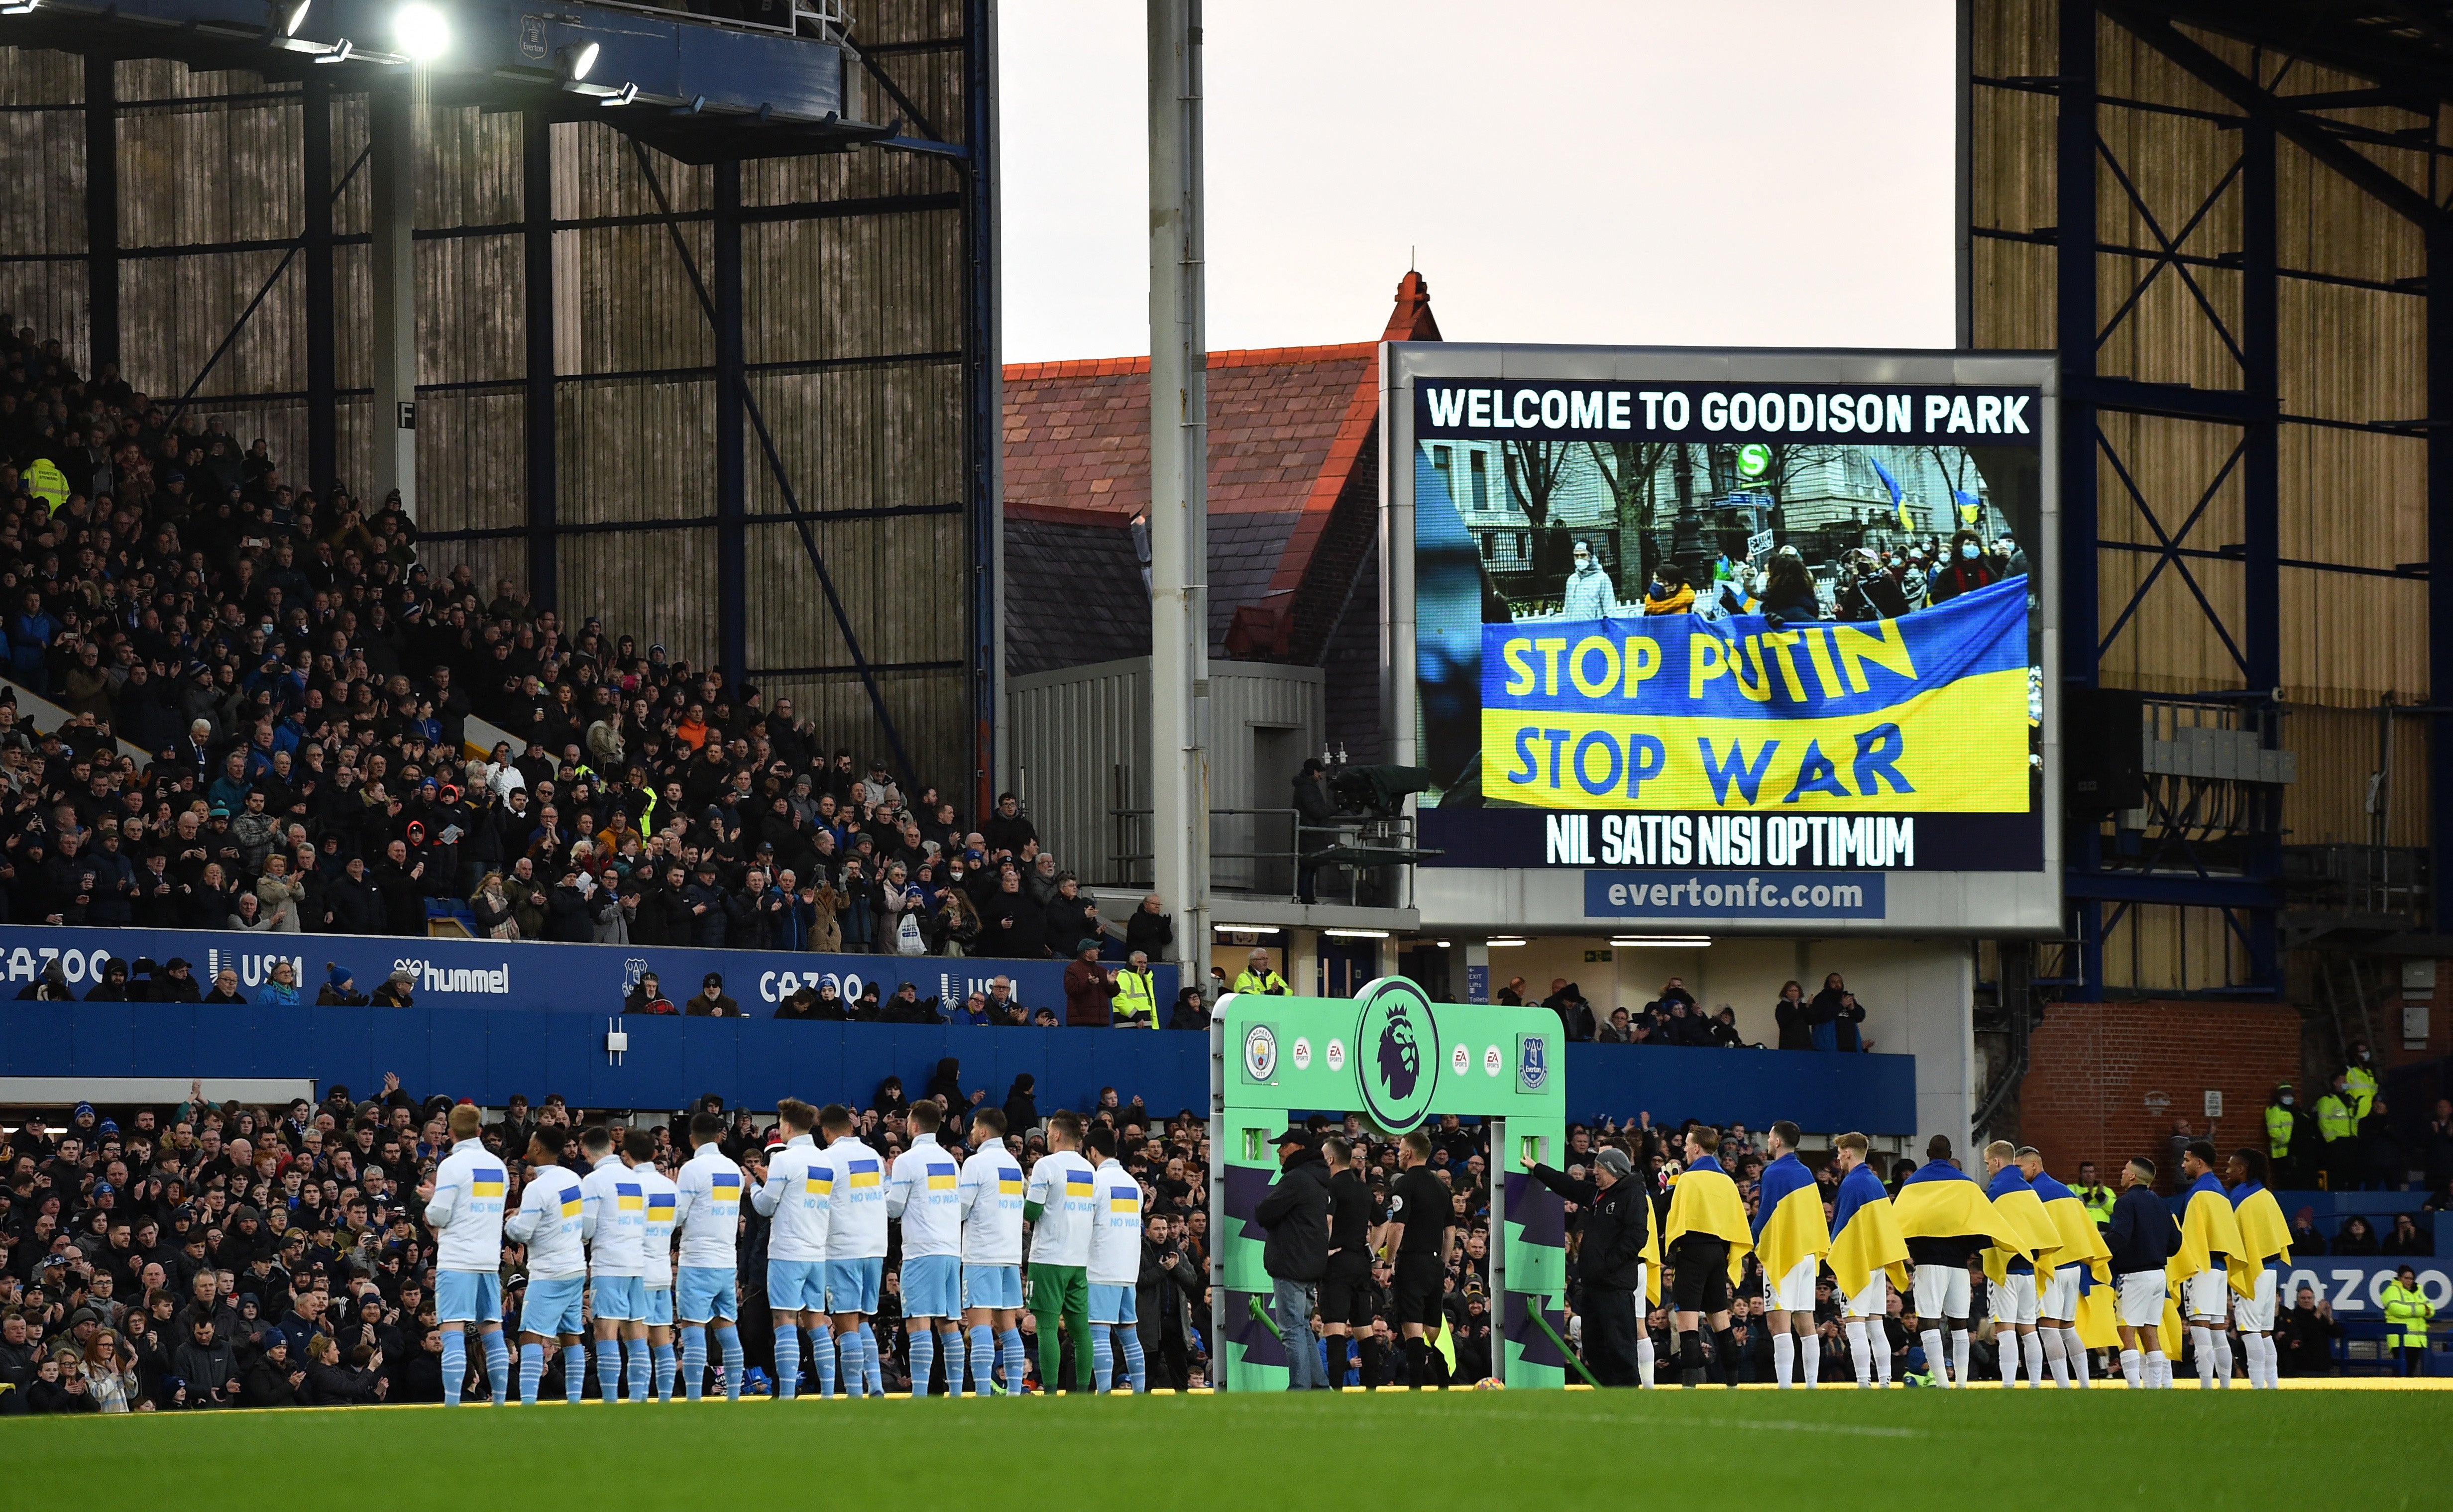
862 1173
2024 1212
724 1187
1921 714
2081 1243
817 1181
1865 1234
630 1197
570 1202
486 1182
1010 1181
1789 1228
1077 1183
941 1176
660 1207
2209 1228
1705 1201
1943 1202
2264 1236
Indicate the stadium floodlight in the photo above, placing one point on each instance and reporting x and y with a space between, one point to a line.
18 8
339 51
576 61
284 17
624 96
423 32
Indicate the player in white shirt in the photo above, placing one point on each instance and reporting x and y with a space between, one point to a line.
548 1223
463 1206
708 1212
662 1212
798 1195
925 1193
1059 1201
1116 1269
855 1249
613 1215
990 1190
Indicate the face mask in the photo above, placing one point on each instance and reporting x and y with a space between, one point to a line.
2290 1102
1968 551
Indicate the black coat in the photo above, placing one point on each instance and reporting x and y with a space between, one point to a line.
1164 1295
1296 1214
1609 1226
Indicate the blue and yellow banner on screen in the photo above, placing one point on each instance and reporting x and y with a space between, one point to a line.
1927 713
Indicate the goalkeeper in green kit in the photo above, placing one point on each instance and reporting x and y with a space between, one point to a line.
1060 1206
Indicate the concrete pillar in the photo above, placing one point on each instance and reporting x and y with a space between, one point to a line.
1178 473
392 130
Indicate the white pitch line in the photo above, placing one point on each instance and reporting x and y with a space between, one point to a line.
1779 1424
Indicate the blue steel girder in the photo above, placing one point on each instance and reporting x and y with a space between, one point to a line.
2169 555
2168 256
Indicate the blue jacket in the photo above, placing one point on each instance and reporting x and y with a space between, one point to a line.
2141 1235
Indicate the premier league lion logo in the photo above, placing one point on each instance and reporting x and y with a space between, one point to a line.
1401 1056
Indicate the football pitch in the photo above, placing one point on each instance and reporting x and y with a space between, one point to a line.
1826 1449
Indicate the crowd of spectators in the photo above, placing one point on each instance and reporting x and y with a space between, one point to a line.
301 685
1831 1020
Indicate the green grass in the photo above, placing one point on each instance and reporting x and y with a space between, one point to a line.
1488 1450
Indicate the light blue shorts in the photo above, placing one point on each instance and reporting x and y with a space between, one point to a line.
622 1299
932 1286
468 1296
796 1285
1112 1304
706 1293
992 1287
554 1307
851 1284
660 1308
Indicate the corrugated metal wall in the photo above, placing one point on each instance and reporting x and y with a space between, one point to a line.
855 283
2348 354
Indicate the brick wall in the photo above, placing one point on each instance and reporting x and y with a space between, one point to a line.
2105 1079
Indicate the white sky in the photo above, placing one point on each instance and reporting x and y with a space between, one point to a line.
1766 173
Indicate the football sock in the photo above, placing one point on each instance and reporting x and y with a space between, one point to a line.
822 1353
924 1362
2158 1369
1861 1354
455 1365
787 1364
1784 1358
1809 1359
1934 1365
2005 1349
1102 1360
1017 1363
728 1341
574 1373
2053 1355
638 1359
1643 1360
498 1365
693 1359
667 1366
1724 1350
855 1374
1136 1368
1961 1345
952 1349
609 1369
531 1371
872 1364
1418 1359
2032 1346
983 1359
2224 1363
2131 1370
2074 1350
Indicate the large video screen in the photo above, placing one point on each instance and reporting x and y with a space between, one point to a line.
1763 626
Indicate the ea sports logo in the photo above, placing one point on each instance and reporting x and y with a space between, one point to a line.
1397 1046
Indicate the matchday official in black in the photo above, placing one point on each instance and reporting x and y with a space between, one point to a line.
1612 1221
1417 1233
1346 1294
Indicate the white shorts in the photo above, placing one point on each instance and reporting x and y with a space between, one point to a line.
2142 1300
1874 1300
2255 1314
2204 1297
1941 1292
2014 1301
1793 1292
2059 1300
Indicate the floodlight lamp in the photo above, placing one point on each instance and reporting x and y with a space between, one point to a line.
423 32
577 60
288 16
17 8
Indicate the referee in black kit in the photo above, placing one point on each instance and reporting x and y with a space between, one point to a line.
1613 1213
1417 1234
1347 1293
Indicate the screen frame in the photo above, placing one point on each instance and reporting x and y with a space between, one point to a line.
2034 906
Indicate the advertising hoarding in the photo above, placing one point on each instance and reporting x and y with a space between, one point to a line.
1738 635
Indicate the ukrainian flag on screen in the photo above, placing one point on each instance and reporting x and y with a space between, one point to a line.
726 1188
863 1173
628 1198
485 1183
940 1178
1010 1181
1922 714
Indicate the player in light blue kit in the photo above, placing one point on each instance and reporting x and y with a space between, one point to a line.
1116 1269
613 1215
463 1206
662 1212
708 1212
990 1190
548 1223
855 1249
799 1196
924 1193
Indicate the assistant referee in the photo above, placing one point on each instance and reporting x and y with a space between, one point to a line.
1417 1233
1345 1291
